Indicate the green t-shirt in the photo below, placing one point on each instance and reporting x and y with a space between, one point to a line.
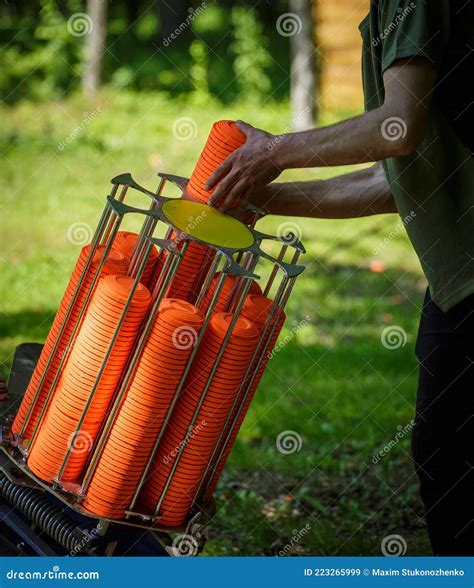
434 187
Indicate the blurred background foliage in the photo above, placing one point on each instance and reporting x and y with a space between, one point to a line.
41 60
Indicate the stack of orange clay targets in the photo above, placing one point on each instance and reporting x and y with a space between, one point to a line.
141 415
225 295
209 423
223 139
116 263
256 309
59 433
177 403
125 242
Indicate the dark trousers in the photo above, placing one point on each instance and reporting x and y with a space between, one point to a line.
443 435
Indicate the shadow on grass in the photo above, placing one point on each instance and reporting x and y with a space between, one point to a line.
28 324
331 490
21 327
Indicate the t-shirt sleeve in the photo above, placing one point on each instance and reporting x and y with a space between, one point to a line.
417 27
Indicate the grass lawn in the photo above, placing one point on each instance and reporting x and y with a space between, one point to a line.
339 391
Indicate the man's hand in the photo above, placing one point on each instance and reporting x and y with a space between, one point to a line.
408 85
253 164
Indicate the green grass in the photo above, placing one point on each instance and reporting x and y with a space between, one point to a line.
334 383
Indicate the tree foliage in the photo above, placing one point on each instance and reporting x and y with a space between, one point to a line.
222 47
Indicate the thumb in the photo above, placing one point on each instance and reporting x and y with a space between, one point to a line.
244 127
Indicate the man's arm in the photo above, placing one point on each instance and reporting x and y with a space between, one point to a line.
394 129
361 193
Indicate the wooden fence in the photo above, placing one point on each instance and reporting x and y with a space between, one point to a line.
339 49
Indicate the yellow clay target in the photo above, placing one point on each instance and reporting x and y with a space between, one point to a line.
207 224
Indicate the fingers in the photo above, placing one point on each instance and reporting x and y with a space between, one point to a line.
234 194
223 188
224 167
218 174
244 127
243 216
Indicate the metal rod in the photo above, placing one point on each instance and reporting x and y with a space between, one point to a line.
105 427
102 367
167 417
237 286
141 248
207 282
162 273
147 229
296 256
252 366
121 198
222 349
105 218
274 271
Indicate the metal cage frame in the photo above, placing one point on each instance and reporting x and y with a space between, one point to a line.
238 262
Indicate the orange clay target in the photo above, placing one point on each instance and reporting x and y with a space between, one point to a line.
207 224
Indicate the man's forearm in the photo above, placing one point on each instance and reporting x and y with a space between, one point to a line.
361 193
394 129
373 136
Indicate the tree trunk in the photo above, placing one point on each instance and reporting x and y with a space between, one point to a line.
95 46
303 66
132 11
173 21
